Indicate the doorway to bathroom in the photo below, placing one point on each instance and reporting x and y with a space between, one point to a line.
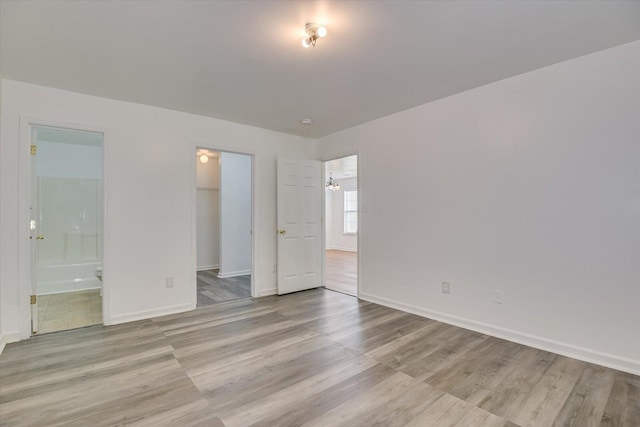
66 228
224 218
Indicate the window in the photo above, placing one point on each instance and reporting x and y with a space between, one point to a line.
350 212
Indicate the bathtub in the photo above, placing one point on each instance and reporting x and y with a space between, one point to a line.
59 278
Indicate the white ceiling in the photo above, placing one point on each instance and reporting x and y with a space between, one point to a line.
345 167
242 60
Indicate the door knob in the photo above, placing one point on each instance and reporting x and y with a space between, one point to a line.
282 231
40 238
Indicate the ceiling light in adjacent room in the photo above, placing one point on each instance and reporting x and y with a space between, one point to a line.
314 32
332 184
204 158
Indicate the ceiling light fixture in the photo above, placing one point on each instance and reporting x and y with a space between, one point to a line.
332 184
314 31
204 158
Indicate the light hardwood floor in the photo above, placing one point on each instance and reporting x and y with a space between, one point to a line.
341 271
314 358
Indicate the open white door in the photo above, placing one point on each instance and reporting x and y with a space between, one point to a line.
299 219
34 236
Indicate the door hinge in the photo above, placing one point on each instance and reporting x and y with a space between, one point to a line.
34 299
34 149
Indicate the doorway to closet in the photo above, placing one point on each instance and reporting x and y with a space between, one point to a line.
223 226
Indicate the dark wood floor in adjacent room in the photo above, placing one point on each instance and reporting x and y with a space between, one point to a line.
212 289
314 358
341 271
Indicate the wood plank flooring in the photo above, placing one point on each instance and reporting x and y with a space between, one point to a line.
212 289
314 358
341 271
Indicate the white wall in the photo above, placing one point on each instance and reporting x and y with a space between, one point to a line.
235 214
3 335
70 206
529 185
208 213
149 188
69 214
334 215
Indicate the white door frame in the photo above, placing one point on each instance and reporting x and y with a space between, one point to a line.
24 201
324 219
194 257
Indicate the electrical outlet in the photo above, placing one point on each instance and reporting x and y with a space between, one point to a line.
169 282
446 288
497 296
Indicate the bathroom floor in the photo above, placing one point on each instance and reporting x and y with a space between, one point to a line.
59 312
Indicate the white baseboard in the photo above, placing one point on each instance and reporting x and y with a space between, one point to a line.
267 292
208 267
148 314
340 248
233 274
588 355
8 338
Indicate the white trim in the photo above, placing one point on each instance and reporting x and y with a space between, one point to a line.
233 274
267 292
148 314
340 248
208 267
193 183
8 339
576 352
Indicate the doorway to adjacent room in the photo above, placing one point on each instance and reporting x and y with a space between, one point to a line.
341 225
